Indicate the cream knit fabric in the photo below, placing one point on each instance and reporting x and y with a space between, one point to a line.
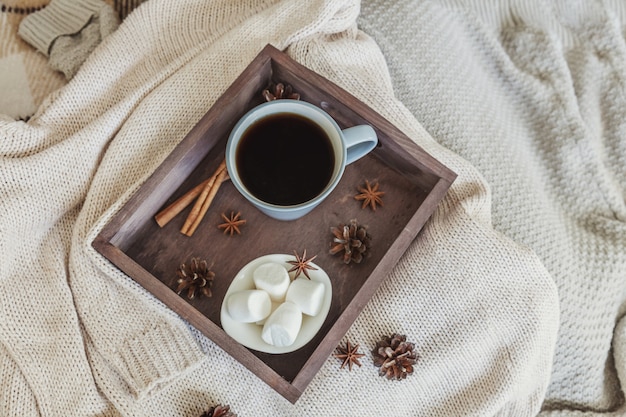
29 76
79 338
534 94
67 31
25 77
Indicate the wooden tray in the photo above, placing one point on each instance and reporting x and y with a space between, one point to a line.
413 181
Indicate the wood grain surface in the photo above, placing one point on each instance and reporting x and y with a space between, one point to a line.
413 181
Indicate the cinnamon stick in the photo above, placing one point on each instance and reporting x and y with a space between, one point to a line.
167 214
189 229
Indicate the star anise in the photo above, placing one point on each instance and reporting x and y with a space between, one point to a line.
301 264
350 355
370 195
280 91
197 277
219 411
231 225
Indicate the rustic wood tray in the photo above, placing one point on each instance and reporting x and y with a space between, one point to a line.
413 181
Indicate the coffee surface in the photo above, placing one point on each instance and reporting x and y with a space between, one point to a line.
285 159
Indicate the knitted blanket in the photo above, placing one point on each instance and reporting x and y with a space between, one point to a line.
80 338
534 95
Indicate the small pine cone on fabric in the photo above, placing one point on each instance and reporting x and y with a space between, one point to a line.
395 356
219 411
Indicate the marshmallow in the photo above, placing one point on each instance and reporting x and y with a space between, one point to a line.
282 326
249 306
275 305
273 278
306 294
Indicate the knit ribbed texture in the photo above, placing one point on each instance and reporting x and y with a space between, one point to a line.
534 95
20 63
60 17
15 53
481 309
68 31
68 52
125 7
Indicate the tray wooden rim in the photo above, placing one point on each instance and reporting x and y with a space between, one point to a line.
109 237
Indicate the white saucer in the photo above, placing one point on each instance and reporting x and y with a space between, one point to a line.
249 334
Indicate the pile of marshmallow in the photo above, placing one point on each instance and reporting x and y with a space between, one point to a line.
277 303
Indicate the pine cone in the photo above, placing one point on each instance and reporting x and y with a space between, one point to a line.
219 411
280 91
395 356
352 239
195 278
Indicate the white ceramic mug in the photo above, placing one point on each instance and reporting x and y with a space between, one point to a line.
347 146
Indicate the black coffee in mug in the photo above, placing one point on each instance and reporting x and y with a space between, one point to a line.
285 159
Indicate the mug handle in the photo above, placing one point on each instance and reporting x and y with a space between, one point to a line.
360 140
